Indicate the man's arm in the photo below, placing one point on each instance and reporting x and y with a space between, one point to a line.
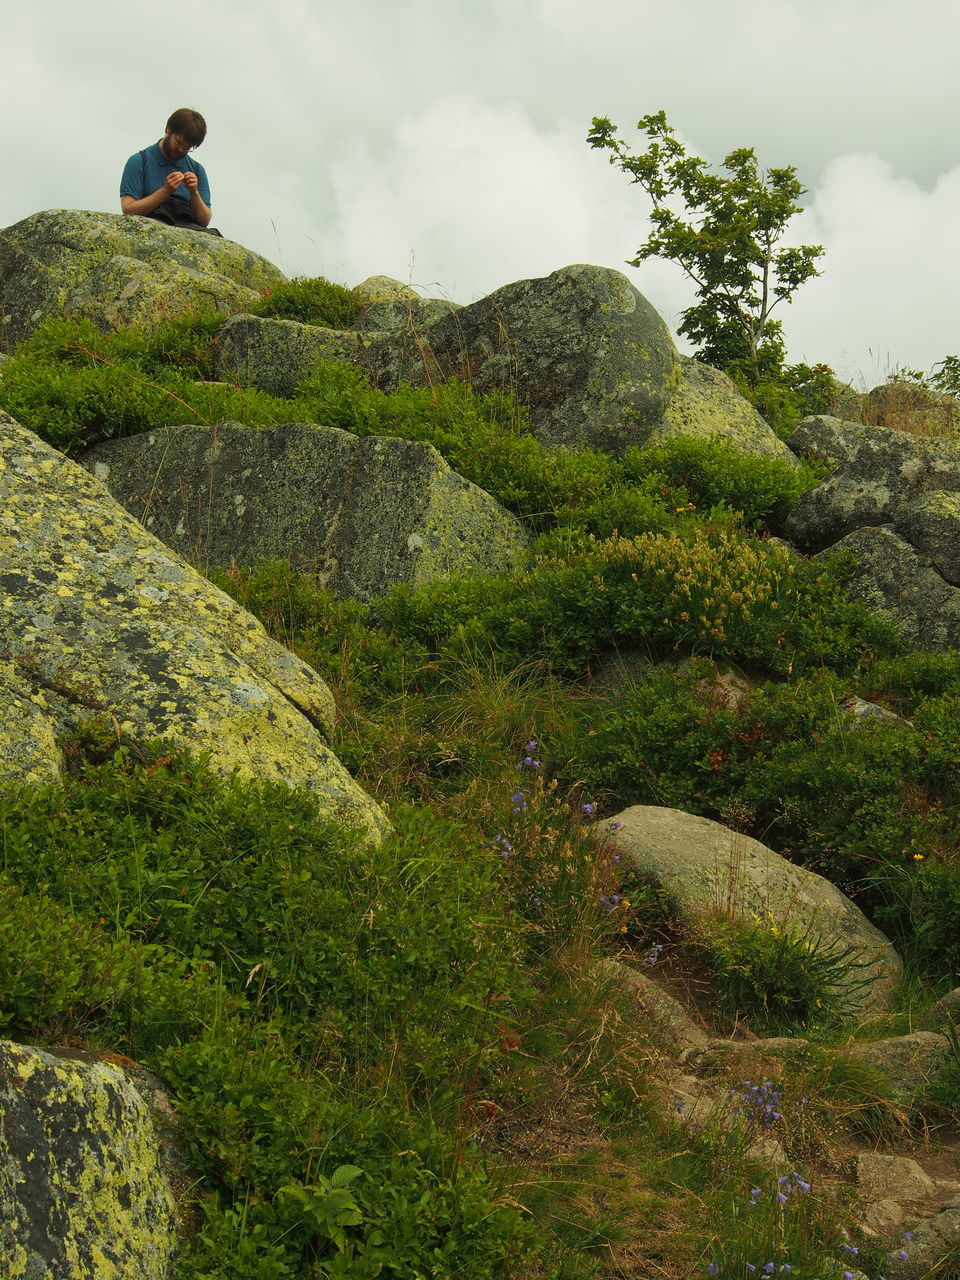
200 208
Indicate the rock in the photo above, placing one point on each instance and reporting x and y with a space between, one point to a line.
82 1190
945 1013
878 472
892 1178
909 407
931 523
667 1015
363 514
708 404
581 348
118 271
100 619
31 754
389 305
276 355
909 1062
708 870
931 1248
885 573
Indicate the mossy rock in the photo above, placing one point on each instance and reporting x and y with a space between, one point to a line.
363 514
102 621
581 348
82 1191
119 271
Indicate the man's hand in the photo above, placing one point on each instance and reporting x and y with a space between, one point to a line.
191 179
174 179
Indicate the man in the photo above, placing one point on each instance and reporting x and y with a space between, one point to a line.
164 183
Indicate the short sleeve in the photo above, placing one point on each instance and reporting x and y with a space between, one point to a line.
131 182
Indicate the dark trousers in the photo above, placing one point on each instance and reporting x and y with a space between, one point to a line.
177 213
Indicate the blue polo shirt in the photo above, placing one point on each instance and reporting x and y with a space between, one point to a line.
147 171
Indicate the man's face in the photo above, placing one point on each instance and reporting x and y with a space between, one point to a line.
174 146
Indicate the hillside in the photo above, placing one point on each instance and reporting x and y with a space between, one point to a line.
489 797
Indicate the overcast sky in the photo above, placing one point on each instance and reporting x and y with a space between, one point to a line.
442 142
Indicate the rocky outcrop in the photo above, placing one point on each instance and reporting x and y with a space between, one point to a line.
886 574
118 271
707 404
709 871
892 504
878 474
581 348
100 619
362 514
391 306
82 1191
276 355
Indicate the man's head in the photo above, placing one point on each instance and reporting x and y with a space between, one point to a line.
186 129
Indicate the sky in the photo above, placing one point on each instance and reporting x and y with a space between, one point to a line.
443 142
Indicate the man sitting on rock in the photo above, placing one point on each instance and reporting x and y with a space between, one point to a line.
162 181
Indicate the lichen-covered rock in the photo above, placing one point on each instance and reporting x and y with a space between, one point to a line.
118 270
707 404
389 305
706 869
878 472
362 513
666 1016
931 523
30 754
101 619
276 355
82 1192
932 1249
886 573
581 348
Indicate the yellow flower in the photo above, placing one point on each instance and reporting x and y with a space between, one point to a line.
918 857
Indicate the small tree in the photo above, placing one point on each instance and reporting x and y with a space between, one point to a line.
724 238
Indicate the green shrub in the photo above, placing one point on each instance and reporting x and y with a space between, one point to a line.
779 979
311 300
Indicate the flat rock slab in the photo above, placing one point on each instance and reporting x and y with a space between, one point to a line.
82 1192
100 619
118 271
709 871
361 513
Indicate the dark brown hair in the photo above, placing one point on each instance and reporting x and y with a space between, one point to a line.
189 125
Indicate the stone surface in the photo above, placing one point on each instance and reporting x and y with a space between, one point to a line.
666 1015
276 355
118 271
909 1062
707 870
708 404
931 523
945 1013
887 574
82 1191
933 1248
581 348
881 1177
878 472
100 619
389 305
362 513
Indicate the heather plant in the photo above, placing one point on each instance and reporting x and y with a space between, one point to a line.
311 300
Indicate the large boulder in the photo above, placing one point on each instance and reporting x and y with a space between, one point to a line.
118 271
362 513
878 473
707 871
707 404
276 355
390 305
581 348
100 619
82 1191
887 574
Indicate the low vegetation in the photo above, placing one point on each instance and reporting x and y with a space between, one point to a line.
407 1062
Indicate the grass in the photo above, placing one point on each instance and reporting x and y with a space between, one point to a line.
409 1063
